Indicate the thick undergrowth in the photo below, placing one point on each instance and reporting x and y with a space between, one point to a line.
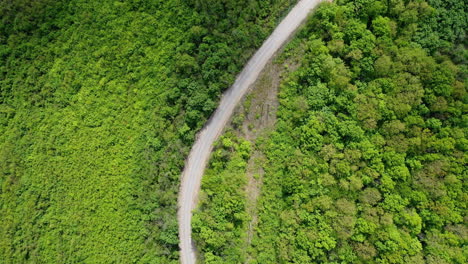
368 160
99 103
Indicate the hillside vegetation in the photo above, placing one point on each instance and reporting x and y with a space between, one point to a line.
99 103
367 163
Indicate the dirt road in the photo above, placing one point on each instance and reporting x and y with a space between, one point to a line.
201 150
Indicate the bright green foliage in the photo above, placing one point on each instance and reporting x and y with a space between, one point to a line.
220 223
99 103
368 160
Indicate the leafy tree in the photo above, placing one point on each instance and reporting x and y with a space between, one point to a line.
366 162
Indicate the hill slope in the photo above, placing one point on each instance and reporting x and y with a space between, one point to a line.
99 103
367 163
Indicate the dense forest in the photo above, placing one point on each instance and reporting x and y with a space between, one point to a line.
221 228
99 104
367 162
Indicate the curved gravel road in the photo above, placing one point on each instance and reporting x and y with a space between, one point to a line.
201 150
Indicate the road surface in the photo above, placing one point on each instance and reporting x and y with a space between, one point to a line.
201 150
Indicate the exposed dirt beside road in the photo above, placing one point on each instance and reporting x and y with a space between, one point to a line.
201 150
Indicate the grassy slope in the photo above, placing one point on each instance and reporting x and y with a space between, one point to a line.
99 103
